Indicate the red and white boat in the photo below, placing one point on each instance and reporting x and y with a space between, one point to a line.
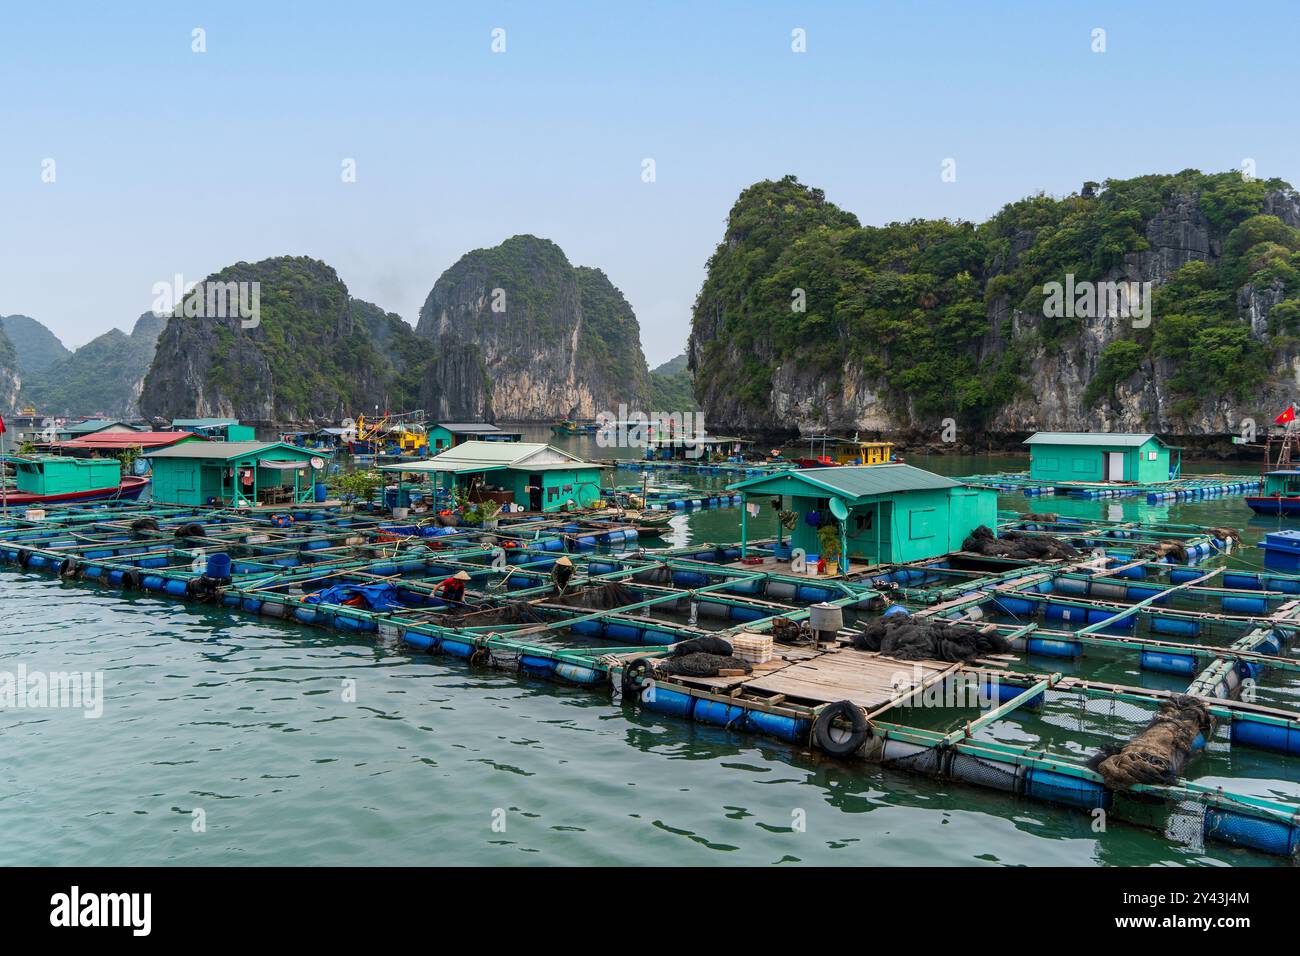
59 480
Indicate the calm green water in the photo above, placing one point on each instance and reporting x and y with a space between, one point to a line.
249 722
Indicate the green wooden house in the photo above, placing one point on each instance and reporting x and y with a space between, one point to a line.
446 435
894 513
1099 456
217 429
238 474
536 476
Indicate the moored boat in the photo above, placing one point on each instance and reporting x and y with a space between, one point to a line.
57 479
1281 492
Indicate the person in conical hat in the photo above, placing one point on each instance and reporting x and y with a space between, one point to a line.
561 573
452 589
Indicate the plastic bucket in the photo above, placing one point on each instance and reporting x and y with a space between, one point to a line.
219 566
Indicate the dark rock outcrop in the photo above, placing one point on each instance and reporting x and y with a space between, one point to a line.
555 341
10 377
914 323
314 354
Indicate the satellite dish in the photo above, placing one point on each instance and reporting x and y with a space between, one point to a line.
348 424
48 435
47 422
839 509
318 463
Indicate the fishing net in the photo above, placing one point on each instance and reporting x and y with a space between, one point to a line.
908 639
144 524
193 530
1044 516
1167 549
1159 751
599 597
516 613
1017 544
700 664
703 645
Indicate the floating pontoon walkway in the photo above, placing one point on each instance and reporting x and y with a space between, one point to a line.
1097 643
746 469
1180 489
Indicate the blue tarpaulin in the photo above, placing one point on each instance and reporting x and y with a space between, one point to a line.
378 597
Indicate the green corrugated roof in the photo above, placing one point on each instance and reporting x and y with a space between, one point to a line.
95 424
857 481
202 422
226 450
1096 439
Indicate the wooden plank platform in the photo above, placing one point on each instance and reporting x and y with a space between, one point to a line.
865 678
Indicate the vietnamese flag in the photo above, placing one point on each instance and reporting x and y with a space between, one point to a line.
2 424
1283 419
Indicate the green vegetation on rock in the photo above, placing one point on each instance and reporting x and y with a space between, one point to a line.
315 353
672 389
38 348
921 310
103 377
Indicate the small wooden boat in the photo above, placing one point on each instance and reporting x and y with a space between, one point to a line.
651 524
1281 492
58 480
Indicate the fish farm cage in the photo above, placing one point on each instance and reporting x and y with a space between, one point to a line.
1034 677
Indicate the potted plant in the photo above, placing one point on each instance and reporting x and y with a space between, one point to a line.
828 535
355 486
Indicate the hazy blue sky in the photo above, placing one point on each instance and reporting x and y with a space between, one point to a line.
170 161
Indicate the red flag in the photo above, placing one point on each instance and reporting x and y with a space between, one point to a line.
2 424
1284 418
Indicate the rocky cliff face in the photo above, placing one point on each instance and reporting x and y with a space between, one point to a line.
555 341
910 324
1058 378
10 377
313 354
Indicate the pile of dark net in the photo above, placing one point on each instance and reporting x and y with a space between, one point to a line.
702 657
1017 544
908 639
1159 750
1175 550
516 613
598 597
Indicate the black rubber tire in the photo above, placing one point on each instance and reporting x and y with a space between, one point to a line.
630 683
69 567
23 558
131 580
837 741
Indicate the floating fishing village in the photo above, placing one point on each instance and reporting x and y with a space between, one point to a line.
541 438
897 616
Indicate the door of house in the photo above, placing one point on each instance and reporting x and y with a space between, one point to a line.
534 492
1114 466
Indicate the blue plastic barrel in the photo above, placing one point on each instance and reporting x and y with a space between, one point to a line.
322 492
219 566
